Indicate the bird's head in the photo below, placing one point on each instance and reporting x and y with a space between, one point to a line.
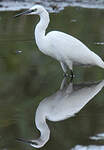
34 143
35 10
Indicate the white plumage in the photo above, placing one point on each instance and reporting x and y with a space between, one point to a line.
66 49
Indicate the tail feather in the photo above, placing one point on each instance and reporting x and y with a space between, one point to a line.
101 64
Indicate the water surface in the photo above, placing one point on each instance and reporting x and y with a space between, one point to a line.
27 77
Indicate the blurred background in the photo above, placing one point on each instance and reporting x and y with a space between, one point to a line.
51 5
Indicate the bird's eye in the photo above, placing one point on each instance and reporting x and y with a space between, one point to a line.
34 10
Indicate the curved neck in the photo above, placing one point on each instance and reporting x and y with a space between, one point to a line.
42 25
44 130
42 126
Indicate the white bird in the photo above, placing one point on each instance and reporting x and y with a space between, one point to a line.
65 48
63 104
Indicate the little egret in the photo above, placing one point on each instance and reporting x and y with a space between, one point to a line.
61 105
66 49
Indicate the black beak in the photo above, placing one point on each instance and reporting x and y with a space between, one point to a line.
25 141
23 13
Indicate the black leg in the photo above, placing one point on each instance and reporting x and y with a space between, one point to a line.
71 75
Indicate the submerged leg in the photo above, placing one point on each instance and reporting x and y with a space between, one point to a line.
63 83
64 68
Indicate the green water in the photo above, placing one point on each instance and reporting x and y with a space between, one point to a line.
27 76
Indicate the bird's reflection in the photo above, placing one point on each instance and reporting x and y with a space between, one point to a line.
66 102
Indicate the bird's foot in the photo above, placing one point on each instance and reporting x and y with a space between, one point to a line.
69 75
66 75
72 76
